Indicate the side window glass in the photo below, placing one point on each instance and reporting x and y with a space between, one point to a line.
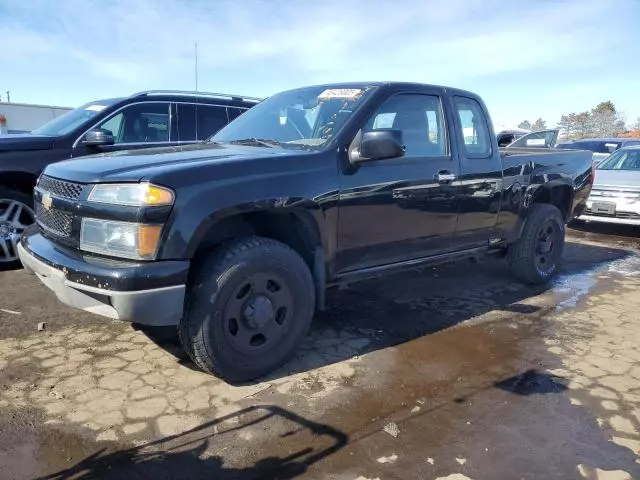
475 131
140 123
209 120
184 122
114 125
419 117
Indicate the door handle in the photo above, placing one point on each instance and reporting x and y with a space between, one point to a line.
445 176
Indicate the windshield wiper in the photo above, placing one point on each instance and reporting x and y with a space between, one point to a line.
264 142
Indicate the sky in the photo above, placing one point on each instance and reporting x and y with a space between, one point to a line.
527 59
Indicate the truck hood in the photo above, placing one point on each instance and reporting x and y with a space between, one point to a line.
17 142
145 164
617 178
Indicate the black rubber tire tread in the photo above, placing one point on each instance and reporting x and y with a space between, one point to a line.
217 270
522 253
22 198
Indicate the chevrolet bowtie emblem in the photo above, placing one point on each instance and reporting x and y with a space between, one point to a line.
46 201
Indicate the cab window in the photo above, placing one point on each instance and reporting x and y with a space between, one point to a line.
419 117
473 127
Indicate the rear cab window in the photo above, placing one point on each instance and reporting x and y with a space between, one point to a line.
473 127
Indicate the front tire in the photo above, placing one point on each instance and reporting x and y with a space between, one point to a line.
535 257
248 309
16 214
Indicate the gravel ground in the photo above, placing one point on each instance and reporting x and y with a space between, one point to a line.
455 372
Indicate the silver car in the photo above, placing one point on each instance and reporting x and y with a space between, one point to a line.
615 196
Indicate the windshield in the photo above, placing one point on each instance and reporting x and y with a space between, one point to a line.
622 160
307 118
541 139
70 120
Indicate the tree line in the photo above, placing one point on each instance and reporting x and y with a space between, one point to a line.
601 121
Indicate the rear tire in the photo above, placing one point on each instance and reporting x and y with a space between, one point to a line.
535 257
16 213
248 309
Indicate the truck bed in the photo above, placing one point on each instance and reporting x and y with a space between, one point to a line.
509 152
567 162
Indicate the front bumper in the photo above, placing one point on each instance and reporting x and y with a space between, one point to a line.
616 220
149 293
623 211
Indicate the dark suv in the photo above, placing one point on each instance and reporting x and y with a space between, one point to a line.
152 118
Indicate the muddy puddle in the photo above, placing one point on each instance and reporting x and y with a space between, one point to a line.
443 371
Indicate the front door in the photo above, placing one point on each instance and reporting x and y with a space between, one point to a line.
401 208
139 125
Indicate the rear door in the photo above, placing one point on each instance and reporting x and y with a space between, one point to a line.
480 179
193 123
402 208
183 123
210 119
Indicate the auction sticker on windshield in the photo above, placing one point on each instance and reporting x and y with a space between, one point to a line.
344 93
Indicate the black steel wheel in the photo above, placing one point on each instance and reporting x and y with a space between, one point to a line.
546 251
257 315
535 256
248 309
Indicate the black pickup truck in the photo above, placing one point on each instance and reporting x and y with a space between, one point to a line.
236 239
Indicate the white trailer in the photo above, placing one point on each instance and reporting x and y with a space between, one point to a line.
24 117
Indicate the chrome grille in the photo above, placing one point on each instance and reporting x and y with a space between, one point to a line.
60 188
54 221
629 215
615 192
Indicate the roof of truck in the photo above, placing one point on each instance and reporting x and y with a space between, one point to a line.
407 85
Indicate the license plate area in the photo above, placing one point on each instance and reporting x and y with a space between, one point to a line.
603 208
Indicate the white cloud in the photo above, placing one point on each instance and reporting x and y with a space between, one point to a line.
272 44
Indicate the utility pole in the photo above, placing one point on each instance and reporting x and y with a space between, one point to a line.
196 45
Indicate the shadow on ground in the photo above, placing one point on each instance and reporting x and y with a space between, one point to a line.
188 455
388 311
467 398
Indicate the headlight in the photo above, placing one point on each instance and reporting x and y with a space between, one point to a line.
133 194
120 239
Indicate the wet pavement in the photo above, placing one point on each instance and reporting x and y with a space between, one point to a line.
454 372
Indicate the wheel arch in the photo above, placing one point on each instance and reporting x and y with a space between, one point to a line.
555 193
300 226
22 182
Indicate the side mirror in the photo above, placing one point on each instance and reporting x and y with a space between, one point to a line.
380 144
98 137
